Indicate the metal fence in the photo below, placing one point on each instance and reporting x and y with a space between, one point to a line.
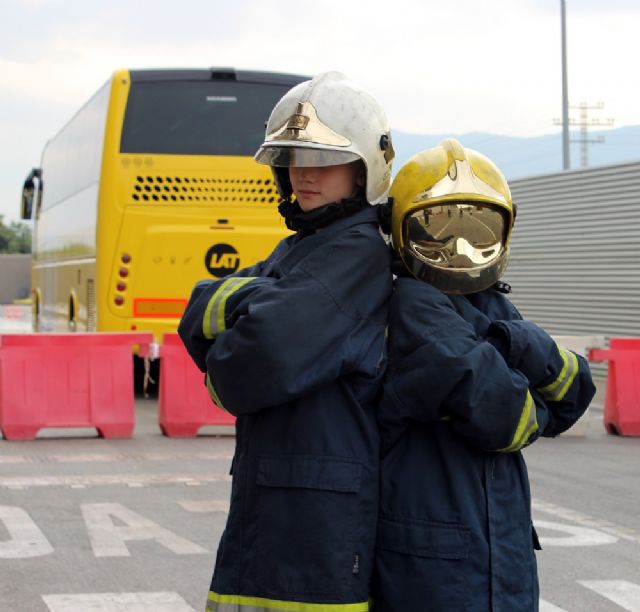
575 252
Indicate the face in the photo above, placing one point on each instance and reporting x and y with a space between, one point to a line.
317 186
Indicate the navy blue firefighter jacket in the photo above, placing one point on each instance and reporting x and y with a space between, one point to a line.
469 384
295 348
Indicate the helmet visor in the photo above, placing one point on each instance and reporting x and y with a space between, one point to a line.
304 157
463 235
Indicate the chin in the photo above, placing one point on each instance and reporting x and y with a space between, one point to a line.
309 206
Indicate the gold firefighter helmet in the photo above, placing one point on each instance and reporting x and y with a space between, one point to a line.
452 217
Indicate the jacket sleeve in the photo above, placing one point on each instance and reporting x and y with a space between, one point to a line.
210 310
192 328
274 340
440 370
561 378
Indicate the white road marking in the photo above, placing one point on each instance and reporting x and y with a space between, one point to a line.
578 536
111 457
95 480
118 602
9 326
623 593
207 505
25 538
618 531
13 459
545 606
109 540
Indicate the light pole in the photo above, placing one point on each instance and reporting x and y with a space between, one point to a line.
566 162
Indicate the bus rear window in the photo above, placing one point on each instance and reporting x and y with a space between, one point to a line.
197 118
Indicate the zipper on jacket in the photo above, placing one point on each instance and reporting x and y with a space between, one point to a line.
356 564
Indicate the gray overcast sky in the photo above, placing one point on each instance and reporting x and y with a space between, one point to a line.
437 67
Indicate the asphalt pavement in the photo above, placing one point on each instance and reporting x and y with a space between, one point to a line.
131 525
126 525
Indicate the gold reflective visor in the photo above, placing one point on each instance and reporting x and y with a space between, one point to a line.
463 236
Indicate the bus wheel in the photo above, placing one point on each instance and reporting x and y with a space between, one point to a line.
36 301
73 312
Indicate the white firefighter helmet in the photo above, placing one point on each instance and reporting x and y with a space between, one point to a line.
325 122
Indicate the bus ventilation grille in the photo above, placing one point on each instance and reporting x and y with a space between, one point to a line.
91 305
203 190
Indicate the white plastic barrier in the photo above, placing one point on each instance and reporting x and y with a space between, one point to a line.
581 346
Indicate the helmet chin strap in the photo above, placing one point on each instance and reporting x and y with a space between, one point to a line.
297 219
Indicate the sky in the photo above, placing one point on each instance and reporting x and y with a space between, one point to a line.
436 67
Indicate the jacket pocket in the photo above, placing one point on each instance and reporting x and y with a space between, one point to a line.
424 538
321 473
535 539
308 517
421 565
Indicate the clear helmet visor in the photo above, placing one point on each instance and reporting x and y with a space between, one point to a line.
303 157
460 236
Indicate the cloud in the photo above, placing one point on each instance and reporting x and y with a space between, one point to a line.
437 68
412 55
30 29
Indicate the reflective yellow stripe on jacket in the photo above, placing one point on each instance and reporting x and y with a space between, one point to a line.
527 426
213 321
212 393
556 390
240 603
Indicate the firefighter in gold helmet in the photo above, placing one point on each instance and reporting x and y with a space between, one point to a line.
295 348
452 218
469 384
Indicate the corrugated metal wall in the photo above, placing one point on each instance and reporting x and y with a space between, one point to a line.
575 251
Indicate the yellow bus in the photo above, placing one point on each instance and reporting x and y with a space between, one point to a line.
149 188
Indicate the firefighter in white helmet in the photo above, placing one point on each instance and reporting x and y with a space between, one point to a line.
295 348
470 384
322 124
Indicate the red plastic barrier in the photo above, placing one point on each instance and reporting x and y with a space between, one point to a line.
67 380
622 400
185 405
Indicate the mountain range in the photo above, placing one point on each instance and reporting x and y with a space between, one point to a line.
520 157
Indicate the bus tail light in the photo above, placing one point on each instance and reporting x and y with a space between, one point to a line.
123 273
159 307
